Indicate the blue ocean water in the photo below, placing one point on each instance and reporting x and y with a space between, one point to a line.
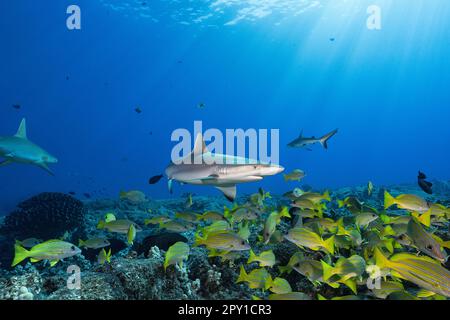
291 65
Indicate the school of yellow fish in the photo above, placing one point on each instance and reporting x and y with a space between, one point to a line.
366 253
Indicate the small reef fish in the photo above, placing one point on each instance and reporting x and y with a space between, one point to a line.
224 255
256 279
176 254
424 241
422 271
217 226
326 223
386 288
157 220
134 196
426 186
296 175
272 221
177 226
311 269
222 240
104 257
94 243
211 216
304 142
345 268
131 234
51 250
363 219
295 258
315 197
189 202
265 259
406 201
303 237
244 230
238 214
28 243
118 226
187 216
290 296
369 188
278 285
110 217
155 179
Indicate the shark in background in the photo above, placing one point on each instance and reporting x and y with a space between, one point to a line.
223 174
305 142
18 149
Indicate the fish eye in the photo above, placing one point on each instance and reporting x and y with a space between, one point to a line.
243 243
429 247
72 248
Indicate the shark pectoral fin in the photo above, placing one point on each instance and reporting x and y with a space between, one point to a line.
229 192
44 166
169 185
5 162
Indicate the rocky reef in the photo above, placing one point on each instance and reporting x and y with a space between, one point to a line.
136 271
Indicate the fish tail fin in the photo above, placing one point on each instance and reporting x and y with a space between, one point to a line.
20 254
425 218
328 271
80 243
341 203
326 196
199 240
269 283
252 257
351 283
285 177
284 213
329 244
389 200
324 140
320 297
380 259
122 194
340 223
242 275
101 224
108 256
284 269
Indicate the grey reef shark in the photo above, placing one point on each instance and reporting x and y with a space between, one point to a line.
305 142
221 171
18 149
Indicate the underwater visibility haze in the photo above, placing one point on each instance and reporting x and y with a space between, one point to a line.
93 91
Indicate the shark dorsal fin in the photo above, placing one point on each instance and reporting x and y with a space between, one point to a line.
22 131
199 146
301 134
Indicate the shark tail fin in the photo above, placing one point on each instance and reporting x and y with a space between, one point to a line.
22 131
325 138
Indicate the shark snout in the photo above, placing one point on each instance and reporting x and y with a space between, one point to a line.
272 170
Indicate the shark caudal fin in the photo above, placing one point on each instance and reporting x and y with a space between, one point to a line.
22 131
324 140
229 192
